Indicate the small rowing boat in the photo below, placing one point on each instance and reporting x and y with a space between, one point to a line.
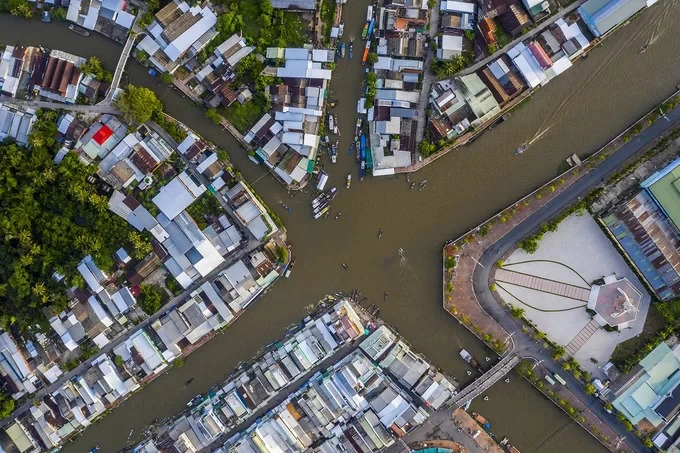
349 180
350 49
285 207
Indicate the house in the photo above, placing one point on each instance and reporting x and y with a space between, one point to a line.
11 65
515 19
646 397
140 352
135 157
601 16
191 254
645 228
178 194
71 127
99 15
449 46
102 137
493 8
487 28
294 5
536 7
478 97
462 14
14 368
61 78
250 212
16 122
525 61
502 79
176 29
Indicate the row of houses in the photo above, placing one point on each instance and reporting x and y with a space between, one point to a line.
31 71
287 139
470 101
366 398
647 229
400 35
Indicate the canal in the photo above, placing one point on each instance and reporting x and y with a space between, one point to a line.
575 113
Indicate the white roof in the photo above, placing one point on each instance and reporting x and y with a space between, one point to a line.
450 42
177 195
184 41
459 7
125 19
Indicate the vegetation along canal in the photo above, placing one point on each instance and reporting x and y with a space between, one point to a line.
577 112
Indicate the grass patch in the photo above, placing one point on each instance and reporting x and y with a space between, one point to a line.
653 324
244 116
503 38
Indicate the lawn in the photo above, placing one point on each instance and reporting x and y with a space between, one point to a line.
502 37
653 324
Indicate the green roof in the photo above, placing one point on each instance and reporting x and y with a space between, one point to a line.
665 188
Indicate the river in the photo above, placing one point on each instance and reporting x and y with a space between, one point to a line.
575 113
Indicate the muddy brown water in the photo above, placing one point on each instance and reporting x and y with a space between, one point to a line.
575 113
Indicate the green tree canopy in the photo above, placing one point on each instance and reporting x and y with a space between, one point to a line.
138 104
149 299
50 218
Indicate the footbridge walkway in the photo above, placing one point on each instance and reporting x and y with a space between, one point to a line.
488 379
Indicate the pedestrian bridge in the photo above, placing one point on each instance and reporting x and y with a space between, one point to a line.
485 381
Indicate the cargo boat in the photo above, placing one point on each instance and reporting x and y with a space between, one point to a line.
364 32
362 147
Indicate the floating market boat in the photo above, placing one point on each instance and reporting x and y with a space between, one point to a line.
349 180
364 32
331 125
351 44
362 144
362 170
342 50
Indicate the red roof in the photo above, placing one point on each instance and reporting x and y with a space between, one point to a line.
102 134
540 55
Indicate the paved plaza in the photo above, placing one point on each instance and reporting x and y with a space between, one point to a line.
554 284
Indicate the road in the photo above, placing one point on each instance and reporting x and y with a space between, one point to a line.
99 108
525 346
427 75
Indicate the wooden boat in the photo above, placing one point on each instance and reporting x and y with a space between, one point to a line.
362 170
364 32
365 57
351 44
80 30
45 17
285 207
470 360
349 180
290 268
521 149
331 125
342 50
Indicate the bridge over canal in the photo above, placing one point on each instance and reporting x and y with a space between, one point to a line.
485 381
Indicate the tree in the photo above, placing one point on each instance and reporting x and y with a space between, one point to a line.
529 245
372 58
517 312
427 148
469 35
138 104
559 352
149 299
448 68
93 66
22 9
213 116
590 389
59 14
6 406
282 253
118 361
166 78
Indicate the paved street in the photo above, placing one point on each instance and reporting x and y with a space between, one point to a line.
99 108
524 345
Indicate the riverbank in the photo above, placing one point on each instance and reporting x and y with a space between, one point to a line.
462 257
462 190
473 133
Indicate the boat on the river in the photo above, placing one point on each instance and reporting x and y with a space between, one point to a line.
362 147
331 123
470 360
521 149
362 170
290 268
80 30
342 50
357 145
351 148
380 233
321 212
364 32
349 180
45 17
351 44
644 48
285 206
